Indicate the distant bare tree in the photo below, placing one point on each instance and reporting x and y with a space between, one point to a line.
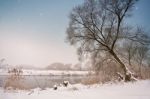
96 27
130 49
1 61
142 55
142 52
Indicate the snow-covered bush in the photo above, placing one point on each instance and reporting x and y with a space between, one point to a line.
55 87
65 83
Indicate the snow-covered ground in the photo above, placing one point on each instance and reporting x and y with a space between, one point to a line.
46 72
136 90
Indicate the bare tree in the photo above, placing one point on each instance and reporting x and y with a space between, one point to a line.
96 27
141 56
1 61
142 52
130 48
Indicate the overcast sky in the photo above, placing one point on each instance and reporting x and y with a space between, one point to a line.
33 31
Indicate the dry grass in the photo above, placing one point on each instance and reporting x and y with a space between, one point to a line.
141 72
91 80
15 80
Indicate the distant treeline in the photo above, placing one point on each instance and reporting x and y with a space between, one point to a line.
61 66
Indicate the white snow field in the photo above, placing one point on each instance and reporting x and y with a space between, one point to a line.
132 90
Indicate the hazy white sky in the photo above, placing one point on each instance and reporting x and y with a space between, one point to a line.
22 51
33 31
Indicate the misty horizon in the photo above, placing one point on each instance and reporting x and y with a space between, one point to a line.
33 32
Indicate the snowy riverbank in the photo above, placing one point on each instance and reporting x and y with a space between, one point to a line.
135 90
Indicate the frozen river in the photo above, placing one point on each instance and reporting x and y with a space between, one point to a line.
45 81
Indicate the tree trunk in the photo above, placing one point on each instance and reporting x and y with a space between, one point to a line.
126 72
140 69
129 58
129 62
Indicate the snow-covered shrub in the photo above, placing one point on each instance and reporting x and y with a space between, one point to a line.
55 87
65 83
